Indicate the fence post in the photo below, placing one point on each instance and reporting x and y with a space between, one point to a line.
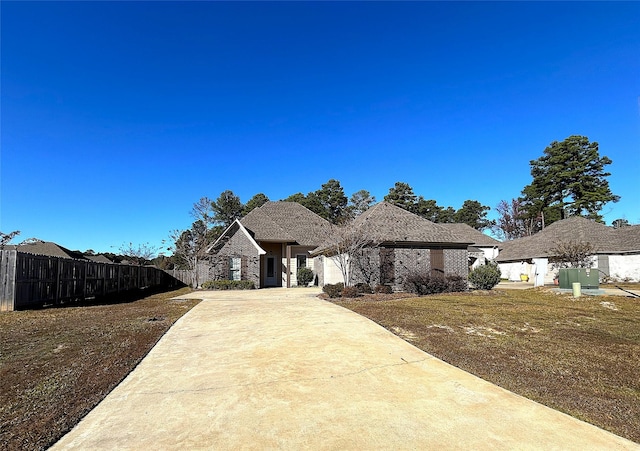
8 259
58 281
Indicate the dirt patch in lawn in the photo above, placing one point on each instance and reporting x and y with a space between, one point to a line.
57 364
577 356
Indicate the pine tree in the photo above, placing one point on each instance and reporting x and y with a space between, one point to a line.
568 180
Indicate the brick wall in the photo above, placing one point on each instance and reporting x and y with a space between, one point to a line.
408 261
365 267
456 262
394 264
237 246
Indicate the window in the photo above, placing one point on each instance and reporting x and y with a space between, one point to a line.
301 261
234 268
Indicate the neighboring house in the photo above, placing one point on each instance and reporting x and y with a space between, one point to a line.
402 243
47 248
616 251
623 263
51 249
268 245
98 258
483 247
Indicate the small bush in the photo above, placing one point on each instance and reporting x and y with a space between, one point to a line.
350 292
305 276
422 283
228 285
333 290
457 283
383 289
364 288
485 277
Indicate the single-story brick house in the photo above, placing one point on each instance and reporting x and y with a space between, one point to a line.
401 243
268 245
616 251
272 241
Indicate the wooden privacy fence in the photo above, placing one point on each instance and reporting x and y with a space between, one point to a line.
29 281
191 277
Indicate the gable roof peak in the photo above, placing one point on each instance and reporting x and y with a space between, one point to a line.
285 221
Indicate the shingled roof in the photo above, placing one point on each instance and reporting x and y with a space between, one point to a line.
286 222
627 239
387 223
47 248
467 232
100 258
604 239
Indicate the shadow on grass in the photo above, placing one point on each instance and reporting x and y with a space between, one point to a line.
110 299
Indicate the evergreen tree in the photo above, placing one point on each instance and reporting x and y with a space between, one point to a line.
256 201
329 202
297 197
474 214
403 196
227 208
428 209
333 201
569 179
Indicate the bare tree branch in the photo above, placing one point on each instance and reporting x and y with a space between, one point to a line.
345 248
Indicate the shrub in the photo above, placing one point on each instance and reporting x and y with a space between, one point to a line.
422 283
333 290
364 288
457 283
485 277
572 254
350 292
228 285
305 276
383 289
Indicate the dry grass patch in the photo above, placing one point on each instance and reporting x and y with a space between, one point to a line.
57 364
577 356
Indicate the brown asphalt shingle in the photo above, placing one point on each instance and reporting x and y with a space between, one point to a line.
628 239
286 222
47 248
604 239
469 233
387 223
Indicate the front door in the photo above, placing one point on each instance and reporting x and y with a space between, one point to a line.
270 273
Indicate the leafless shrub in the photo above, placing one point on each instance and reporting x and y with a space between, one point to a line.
571 254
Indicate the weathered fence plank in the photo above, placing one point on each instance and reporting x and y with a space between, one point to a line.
28 280
7 280
190 277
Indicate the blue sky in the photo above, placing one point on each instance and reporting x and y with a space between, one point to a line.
116 117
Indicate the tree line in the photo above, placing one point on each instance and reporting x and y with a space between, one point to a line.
213 216
568 179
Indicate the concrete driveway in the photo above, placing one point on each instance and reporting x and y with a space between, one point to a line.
282 369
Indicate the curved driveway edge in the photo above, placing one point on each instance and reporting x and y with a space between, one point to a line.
282 369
